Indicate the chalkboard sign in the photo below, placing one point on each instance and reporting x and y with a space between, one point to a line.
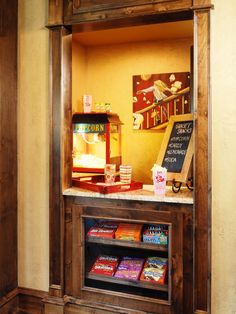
177 147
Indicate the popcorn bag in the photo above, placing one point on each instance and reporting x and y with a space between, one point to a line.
110 173
159 180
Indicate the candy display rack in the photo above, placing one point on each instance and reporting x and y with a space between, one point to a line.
83 248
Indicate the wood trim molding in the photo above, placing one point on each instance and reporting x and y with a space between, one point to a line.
23 300
32 292
60 148
8 298
55 12
202 3
91 307
54 305
30 301
202 161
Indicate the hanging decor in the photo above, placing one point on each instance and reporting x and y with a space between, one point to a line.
156 97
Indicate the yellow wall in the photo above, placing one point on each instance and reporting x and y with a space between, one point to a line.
33 146
107 73
33 150
78 77
223 79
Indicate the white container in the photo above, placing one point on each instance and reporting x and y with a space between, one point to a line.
159 180
125 174
87 103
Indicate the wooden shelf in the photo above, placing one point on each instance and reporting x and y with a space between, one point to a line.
138 284
124 243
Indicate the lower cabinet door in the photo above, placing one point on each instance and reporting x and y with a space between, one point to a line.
125 258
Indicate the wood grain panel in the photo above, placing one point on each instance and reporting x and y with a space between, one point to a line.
8 147
60 147
101 5
89 309
202 3
10 307
202 164
55 12
30 301
53 309
110 13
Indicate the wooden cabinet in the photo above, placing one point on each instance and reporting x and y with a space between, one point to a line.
8 146
80 11
65 15
82 6
81 250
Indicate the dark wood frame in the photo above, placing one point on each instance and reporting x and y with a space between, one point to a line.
77 206
23 300
60 160
76 234
8 150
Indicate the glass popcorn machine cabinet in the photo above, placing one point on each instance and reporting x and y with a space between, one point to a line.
96 141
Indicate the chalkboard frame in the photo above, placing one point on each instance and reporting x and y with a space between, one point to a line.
181 176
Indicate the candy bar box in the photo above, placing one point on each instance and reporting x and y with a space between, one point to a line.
129 268
105 265
154 270
156 234
105 229
129 232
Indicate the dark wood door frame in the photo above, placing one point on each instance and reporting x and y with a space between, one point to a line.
60 148
8 149
60 159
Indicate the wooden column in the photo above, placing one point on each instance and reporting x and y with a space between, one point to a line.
55 12
202 163
60 148
8 148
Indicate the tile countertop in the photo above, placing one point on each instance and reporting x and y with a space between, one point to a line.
184 196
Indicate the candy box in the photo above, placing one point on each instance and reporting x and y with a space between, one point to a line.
103 230
154 270
156 234
129 268
129 232
105 265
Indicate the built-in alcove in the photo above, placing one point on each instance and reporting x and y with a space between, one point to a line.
103 64
96 72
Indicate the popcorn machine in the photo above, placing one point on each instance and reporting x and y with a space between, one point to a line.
96 141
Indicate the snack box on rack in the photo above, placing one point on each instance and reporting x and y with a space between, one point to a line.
105 229
129 268
105 265
156 234
129 232
154 270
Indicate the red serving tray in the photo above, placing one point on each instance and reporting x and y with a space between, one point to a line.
96 184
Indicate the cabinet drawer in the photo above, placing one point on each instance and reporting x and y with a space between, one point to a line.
79 11
80 6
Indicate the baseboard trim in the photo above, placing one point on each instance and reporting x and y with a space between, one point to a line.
30 301
33 292
23 301
7 298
